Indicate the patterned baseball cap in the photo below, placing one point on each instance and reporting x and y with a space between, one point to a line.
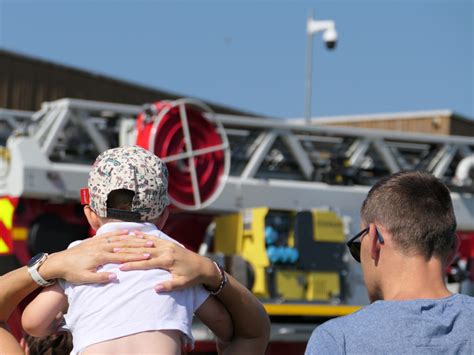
131 168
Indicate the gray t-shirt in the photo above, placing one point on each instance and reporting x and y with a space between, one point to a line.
443 326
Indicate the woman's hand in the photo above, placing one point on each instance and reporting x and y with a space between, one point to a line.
79 264
186 267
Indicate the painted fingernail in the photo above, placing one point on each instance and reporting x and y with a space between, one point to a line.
112 277
159 288
149 243
117 249
146 255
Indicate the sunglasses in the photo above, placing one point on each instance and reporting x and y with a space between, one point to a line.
354 243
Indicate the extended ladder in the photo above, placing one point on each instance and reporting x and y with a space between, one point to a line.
276 163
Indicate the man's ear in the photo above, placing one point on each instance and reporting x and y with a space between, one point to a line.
92 217
374 243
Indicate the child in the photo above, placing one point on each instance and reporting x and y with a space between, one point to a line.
128 191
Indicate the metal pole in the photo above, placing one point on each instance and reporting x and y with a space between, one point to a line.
309 72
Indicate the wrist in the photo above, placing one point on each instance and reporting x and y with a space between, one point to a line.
223 280
212 276
51 268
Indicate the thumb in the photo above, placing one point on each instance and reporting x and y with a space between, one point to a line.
170 285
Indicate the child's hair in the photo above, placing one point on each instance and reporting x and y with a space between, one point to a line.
120 199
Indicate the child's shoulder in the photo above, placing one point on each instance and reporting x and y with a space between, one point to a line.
74 243
164 236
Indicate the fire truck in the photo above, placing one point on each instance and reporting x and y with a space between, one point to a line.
273 200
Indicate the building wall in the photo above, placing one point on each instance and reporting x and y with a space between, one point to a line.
443 125
462 127
436 125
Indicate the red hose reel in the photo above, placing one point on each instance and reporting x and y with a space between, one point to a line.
195 150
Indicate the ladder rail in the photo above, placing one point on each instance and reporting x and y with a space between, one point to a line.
284 150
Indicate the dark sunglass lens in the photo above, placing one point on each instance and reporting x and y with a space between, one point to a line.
354 244
354 248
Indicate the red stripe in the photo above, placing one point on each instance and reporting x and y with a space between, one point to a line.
14 200
5 235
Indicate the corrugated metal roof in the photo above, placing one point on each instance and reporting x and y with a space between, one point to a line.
44 80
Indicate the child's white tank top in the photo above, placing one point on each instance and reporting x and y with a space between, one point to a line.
130 304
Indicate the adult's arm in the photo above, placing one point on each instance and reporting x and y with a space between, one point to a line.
14 286
250 320
77 265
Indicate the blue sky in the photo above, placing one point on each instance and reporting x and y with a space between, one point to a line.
392 55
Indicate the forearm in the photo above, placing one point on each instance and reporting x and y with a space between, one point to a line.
18 283
43 315
250 320
14 286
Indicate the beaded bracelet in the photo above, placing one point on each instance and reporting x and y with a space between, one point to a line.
223 280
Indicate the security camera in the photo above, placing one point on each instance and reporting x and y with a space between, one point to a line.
330 38
328 27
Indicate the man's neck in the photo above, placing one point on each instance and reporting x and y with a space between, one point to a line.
414 278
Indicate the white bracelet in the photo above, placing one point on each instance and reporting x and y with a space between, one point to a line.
223 280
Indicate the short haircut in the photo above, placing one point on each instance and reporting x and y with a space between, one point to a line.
120 199
416 210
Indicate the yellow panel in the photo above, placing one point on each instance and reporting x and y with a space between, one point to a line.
253 241
291 285
322 286
6 212
228 234
318 310
20 233
260 288
5 154
3 247
291 234
253 246
328 227
244 234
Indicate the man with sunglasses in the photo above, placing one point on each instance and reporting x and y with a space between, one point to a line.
407 240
